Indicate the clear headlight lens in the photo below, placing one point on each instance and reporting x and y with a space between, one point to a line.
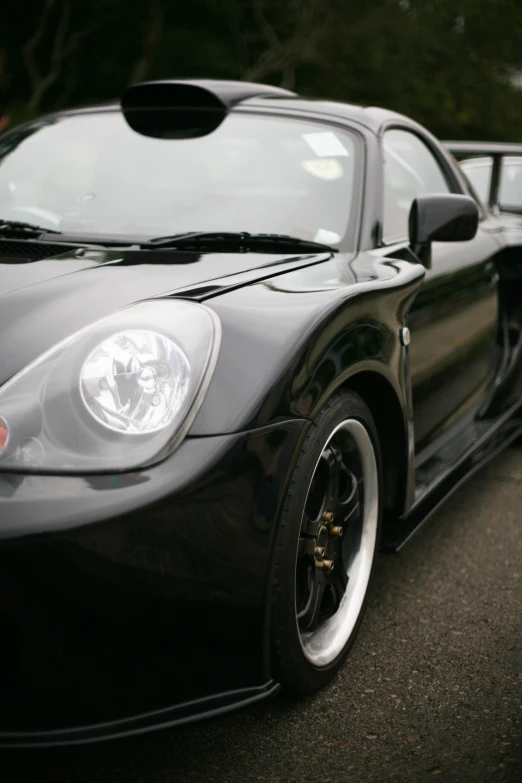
141 372
135 381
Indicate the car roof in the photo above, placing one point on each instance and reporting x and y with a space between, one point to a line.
371 117
476 161
483 148
269 98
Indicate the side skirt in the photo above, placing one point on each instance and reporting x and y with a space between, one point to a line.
201 709
448 468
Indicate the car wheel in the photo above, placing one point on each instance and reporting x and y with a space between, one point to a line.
327 539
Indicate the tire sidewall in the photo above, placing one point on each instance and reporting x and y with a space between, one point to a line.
290 663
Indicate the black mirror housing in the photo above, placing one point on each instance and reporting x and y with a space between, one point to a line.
445 217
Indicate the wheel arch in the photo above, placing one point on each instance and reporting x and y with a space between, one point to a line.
370 383
383 401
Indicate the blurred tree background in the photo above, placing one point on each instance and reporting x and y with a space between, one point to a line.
453 65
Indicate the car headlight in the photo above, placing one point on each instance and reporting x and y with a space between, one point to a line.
118 395
135 381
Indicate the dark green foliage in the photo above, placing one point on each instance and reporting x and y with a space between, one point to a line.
451 64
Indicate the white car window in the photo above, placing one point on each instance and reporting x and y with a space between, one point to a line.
478 171
510 190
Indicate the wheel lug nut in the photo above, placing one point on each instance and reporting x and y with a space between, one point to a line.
325 565
328 517
319 551
336 531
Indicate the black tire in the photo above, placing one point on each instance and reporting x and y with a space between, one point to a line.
291 666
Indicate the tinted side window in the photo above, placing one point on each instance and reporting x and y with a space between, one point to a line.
510 191
410 170
478 171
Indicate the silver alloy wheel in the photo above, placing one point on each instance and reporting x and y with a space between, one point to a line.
337 542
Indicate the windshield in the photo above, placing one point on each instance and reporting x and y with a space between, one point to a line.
92 174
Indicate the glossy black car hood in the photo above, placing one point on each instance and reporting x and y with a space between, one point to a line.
45 301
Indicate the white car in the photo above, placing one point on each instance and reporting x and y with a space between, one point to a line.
494 170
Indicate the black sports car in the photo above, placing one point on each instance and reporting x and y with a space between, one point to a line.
211 414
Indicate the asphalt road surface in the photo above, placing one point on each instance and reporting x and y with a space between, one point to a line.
433 689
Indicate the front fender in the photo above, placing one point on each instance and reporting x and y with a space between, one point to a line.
290 342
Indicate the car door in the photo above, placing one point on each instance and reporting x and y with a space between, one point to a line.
453 320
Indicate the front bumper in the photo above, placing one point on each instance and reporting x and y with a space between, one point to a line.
139 600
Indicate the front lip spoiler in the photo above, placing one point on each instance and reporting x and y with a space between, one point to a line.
188 712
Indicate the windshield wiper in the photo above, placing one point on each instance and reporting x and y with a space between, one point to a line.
27 228
237 241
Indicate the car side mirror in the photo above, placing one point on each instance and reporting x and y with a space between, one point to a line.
446 217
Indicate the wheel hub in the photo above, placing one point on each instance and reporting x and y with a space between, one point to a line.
325 549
